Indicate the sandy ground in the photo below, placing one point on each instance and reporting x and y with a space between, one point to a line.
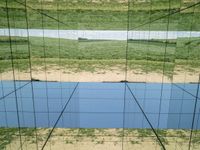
101 76
109 139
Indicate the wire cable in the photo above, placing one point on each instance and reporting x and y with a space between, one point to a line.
49 136
195 96
31 75
45 64
193 117
164 65
13 73
126 72
162 145
15 90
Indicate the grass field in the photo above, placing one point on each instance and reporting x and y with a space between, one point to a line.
153 50
89 55
104 15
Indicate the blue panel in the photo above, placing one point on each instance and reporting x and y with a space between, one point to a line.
188 106
165 104
10 104
152 106
3 119
55 106
175 106
70 120
133 120
53 118
12 119
173 121
186 121
105 120
163 123
101 105
42 119
41 105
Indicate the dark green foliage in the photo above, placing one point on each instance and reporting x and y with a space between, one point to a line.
7 135
104 15
88 132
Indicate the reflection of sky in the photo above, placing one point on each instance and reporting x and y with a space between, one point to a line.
100 105
99 34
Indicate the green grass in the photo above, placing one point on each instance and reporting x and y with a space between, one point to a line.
105 15
100 5
162 135
188 48
6 136
27 132
196 140
91 55
144 132
88 132
153 50
17 40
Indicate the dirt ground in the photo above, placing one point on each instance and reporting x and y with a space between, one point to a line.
102 139
101 76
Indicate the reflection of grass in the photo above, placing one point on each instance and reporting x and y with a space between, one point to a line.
91 55
99 5
108 15
17 40
188 48
154 50
93 49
